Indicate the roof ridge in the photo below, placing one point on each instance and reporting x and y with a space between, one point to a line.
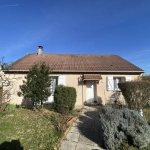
75 54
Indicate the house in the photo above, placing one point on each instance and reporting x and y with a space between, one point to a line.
95 77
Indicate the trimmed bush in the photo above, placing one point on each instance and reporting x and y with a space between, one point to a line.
144 78
136 93
119 125
64 99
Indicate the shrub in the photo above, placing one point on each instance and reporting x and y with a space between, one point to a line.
144 78
36 84
136 93
119 125
64 99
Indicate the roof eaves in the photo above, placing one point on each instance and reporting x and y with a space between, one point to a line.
142 71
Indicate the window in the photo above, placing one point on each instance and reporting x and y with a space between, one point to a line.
56 81
112 82
116 81
53 85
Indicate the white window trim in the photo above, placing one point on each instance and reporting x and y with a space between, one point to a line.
116 88
128 78
111 84
61 80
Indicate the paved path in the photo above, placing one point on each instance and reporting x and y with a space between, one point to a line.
84 134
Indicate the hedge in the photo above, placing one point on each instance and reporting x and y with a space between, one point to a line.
136 93
64 99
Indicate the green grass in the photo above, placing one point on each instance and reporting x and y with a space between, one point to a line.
40 130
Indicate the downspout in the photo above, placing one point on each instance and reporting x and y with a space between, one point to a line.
82 89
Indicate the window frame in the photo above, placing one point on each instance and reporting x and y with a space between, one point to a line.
52 87
116 81
112 86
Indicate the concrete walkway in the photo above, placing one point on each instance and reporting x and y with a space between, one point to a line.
84 134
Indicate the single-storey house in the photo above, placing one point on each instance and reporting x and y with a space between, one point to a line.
95 77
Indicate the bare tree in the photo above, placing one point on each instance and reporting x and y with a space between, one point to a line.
7 84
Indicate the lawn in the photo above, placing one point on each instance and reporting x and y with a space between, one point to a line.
30 130
25 129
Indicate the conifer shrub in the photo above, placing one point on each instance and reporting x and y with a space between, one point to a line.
36 84
64 99
119 125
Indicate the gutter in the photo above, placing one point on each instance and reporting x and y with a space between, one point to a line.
76 71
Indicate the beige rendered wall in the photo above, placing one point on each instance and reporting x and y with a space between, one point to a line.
101 88
73 80
15 81
108 96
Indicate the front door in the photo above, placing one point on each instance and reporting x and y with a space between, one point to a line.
90 91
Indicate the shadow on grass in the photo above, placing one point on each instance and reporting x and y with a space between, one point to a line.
13 145
36 106
88 125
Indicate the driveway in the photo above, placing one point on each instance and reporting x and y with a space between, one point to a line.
84 133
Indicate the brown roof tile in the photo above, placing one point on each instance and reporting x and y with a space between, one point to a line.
92 76
76 63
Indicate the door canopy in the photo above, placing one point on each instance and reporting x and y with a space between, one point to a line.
92 77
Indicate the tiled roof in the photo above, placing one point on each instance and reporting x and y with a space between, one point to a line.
76 63
92 76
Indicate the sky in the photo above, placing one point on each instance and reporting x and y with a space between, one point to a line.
120 27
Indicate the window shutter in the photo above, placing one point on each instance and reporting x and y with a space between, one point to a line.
110 83
128 78
61 80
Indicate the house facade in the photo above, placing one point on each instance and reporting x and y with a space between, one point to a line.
95 77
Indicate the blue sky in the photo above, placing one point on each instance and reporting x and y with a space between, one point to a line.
119 27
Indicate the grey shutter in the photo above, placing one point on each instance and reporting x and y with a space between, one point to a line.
128 79
61 80
110 83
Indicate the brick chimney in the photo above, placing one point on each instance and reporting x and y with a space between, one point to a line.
40 50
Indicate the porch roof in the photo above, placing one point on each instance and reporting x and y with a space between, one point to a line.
92 77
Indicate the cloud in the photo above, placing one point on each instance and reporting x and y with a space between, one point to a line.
13 5
141 60
137 55
143 51
26 40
